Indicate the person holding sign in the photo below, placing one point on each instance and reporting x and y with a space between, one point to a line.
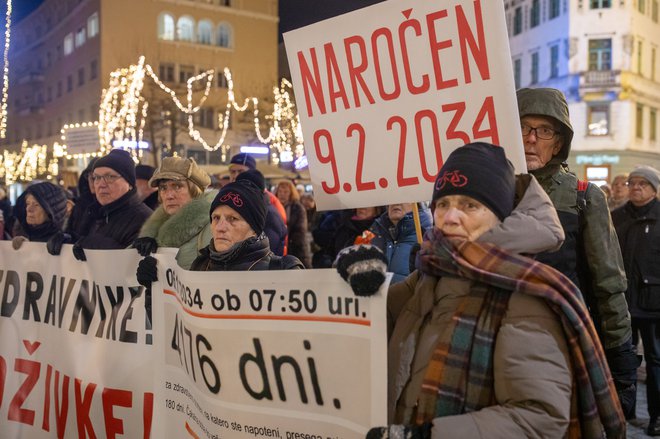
486 342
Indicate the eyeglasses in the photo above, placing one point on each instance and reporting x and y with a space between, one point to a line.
641 183
544 133
174 186
107 178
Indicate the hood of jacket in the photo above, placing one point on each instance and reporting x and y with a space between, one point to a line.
175 230
533 226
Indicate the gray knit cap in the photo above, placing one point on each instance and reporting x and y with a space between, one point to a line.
648 173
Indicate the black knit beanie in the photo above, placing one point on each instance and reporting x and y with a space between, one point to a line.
246 199
255 177
481 171
52 199
121 161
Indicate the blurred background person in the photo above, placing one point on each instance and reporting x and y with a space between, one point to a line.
619 192
298 244
147 193
79 220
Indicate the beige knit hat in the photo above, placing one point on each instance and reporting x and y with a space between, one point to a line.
179 168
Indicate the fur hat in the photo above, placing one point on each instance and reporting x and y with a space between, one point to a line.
120 161
246 199
481 171
244 159
648 173
179 168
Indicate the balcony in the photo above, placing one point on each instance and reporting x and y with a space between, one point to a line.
31 78
599 79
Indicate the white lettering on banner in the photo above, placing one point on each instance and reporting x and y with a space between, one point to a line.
294 348
387 91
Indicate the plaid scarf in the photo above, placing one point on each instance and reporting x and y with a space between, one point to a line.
459 378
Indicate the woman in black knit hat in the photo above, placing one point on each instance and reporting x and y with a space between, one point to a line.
40 212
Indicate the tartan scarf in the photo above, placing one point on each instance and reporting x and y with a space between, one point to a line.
459 378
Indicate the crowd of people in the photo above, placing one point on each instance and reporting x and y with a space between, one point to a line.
519 314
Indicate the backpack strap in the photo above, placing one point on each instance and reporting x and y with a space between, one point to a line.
581 199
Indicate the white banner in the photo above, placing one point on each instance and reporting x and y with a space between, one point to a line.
385 92
261 354
282 354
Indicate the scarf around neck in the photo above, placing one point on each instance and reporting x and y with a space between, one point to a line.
459 378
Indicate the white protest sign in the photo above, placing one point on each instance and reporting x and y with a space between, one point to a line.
76 358
81 139
386 92
283 354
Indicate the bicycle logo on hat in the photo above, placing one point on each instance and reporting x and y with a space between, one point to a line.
234 197
452 177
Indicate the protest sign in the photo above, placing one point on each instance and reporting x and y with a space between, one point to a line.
385 92
75 345
283 354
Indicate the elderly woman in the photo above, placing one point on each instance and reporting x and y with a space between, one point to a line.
40 213
485 342
299 245
238 217
181 220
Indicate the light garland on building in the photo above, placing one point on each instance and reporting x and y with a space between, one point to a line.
5 74
28 164
61 150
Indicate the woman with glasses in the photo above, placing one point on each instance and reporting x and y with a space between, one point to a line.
181 221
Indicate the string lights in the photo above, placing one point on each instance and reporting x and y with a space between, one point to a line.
5 74
28 164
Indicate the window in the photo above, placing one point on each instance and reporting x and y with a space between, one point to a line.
49 94
166 72
48 59
93 25
653 124
224 2
553 9
535 68
598 175
185 28
166 26
80 37
81 115
185 73
600 54
224 35
205 32
600 4
222 80
598 119
653 51
517 69
639 57
59 88
69 83
93 70
639 121
68 44
517 21
81 76
654 11
641 6
206 117
554 61
535 13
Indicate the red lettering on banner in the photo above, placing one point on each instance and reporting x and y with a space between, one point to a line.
385 32
45 424
61 410
465 36
311 83
417 28
148 413
16 411
112 398
3 377
334 76
355 72
436 46
83 406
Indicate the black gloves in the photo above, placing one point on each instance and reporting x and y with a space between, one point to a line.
147 271
78 252
55 242
145 246
623 362
401 432
363 267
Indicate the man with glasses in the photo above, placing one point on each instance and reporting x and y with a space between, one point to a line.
638 228
118 212
590 255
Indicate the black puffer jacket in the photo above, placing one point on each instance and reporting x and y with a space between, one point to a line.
253 254
115 225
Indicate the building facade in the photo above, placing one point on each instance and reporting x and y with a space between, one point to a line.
62 54
603 54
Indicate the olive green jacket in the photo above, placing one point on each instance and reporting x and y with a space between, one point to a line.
601 250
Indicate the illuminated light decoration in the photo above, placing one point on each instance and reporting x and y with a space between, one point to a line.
28 164
301 162
61 150
130 144
255 149
5 74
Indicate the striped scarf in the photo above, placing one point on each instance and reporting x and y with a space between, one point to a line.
459 378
